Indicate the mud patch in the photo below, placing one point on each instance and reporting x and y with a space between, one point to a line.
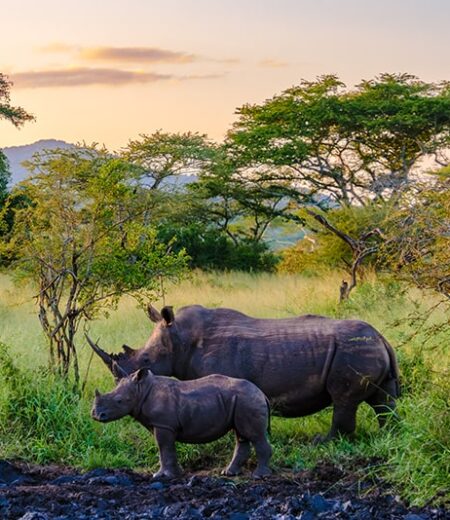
328 492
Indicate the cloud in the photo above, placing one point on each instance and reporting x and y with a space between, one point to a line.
136 55
272 63
122 54
226 61
131 54
57 47
200 76
92 76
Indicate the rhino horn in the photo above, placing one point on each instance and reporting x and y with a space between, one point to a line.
118 371
106 358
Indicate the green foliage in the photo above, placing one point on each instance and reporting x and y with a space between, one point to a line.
4 178
241 204
322 250
419 236
162 155
44 420
15 115
84 240
209 248
347 145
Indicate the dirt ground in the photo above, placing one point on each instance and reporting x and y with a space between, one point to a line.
52 492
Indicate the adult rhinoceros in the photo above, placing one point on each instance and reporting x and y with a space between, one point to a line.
302 364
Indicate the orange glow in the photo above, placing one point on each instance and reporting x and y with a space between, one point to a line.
106 71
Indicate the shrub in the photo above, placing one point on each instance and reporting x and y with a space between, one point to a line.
209 248
321 250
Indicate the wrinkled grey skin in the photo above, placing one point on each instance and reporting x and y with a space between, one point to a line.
302 364
193 412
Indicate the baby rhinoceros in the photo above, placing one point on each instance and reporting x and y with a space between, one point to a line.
193 412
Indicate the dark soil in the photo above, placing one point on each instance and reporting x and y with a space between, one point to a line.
51 492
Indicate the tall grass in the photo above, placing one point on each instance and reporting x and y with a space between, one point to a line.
43 420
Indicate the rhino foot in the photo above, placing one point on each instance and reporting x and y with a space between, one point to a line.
262 472
168 473
231 472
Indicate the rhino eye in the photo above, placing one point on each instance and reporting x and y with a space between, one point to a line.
119 401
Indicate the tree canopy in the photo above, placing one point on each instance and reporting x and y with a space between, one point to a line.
161 155
15 115
348 145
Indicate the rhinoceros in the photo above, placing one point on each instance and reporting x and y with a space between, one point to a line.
302 364
192 412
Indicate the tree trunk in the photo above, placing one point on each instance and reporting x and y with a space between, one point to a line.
360 250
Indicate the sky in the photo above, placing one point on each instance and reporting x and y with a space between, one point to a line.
107 71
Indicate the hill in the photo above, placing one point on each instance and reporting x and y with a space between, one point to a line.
18 154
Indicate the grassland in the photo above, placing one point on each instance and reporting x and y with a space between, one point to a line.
43 420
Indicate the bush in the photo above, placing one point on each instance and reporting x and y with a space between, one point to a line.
210 249
322 250
43 419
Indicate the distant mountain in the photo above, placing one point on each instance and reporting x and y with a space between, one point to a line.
18 154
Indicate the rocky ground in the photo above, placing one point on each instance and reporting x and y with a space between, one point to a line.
50 492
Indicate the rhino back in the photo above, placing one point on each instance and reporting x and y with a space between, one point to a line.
289 359
206 406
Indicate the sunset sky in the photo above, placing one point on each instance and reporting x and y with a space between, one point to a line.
106 71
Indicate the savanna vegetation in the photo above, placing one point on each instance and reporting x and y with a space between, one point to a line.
361 174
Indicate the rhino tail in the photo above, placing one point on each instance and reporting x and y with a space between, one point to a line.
395 373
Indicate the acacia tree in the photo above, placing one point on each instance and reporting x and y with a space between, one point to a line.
344 147
158 161
161 155
83 241
350 146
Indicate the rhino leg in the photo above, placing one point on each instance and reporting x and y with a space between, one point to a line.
344 419
169 467
240 456
343 423
383 402
263 454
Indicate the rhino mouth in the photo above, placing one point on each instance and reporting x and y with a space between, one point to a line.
100 416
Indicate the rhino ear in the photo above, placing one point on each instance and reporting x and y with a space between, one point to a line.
140 374
168 315
153 314
97 393
127 349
